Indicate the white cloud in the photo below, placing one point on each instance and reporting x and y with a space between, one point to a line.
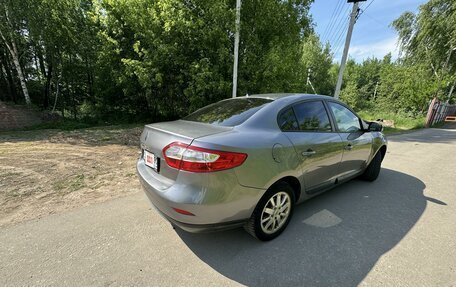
374 49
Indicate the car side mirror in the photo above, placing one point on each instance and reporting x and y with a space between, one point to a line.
375 127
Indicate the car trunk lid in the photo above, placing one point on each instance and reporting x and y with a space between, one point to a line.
157 136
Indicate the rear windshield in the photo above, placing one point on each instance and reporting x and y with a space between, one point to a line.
229 112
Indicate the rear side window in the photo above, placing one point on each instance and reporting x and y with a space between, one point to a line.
287 121
228 112
312 116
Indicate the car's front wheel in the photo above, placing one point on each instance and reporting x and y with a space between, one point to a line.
273 213
372 171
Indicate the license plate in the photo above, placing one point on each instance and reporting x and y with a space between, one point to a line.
151 160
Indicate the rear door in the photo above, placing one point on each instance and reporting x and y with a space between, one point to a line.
357 144
319 147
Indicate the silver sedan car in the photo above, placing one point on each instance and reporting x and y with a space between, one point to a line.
248 161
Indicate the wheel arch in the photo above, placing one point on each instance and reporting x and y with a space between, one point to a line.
293 182
382 150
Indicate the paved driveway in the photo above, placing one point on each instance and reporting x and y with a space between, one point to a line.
397 231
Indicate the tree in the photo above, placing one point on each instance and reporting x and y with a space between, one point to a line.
11 29
272 34
317 60
158 60
429 39
177 56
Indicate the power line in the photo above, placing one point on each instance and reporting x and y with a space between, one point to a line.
371 17
361 5
339 43
353 15
367 7
333 18
341 18
363 11
338 36
330 21
336 25
342 26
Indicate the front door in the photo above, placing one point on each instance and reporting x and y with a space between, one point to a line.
357 143
318 146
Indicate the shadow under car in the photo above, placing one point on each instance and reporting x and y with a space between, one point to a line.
333 239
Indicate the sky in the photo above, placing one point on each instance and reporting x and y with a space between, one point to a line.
372 34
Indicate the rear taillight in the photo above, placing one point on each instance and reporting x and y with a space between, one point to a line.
196 159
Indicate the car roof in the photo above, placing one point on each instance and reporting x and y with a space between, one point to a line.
276 96
280 101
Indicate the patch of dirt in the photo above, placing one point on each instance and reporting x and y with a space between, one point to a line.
47 171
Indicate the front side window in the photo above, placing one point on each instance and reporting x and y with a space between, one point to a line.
347 122
312 116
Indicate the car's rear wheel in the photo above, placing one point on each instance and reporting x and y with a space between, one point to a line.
273 213
372 171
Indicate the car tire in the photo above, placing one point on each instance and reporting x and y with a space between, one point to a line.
269 221
372 171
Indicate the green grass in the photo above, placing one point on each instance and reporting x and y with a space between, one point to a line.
72 184
68 124
402 122
71 125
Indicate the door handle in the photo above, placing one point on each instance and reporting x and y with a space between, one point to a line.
309 152
348 147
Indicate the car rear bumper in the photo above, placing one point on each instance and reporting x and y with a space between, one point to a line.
216 199
199 228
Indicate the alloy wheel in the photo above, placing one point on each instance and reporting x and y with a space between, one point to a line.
275 212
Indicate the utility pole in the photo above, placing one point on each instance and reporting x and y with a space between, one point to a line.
375 91
353 16
236 46
309 71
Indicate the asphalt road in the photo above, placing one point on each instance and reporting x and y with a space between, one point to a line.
397 231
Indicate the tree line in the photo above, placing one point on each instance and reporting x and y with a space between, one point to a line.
157 60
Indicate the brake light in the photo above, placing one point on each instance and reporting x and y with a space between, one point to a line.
196 159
